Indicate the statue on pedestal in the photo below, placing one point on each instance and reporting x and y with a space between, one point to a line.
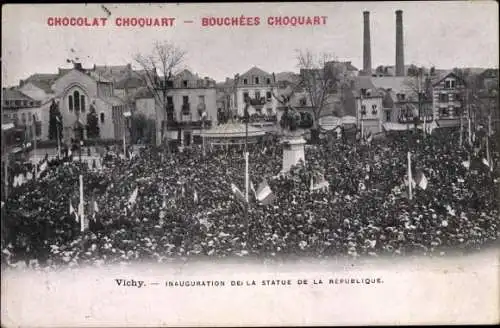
293 142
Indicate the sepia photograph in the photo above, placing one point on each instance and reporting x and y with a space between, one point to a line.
248 149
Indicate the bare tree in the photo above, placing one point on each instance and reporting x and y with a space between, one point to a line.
159 68
322 78
418 83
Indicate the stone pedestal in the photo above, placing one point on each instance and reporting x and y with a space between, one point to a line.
293 151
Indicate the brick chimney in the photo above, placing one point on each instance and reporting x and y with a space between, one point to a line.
367 53
400 56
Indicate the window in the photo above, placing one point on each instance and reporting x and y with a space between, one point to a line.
452 84
102 118
201 99
257 94
76 100
363 109
18 103
363 92
388 115
245 81
303 101
443 112
170 100
31 103
401 96
443 97
185 83
268 81
268 95
245 96
23 118
82 102
14 116
185 100
256 80
25 103
70 103
374 109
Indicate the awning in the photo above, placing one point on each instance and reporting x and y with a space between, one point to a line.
232 130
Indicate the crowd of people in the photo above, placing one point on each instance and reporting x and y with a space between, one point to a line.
185 207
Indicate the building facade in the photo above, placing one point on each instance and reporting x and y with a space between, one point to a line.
24 111
448 97
188 97
258 87
368 100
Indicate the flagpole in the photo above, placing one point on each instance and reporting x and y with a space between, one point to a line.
58 143
81 207
488 158
410 178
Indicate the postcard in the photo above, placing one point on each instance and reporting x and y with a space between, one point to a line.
250 164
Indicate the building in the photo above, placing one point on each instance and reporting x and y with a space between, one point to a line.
188 96
258 87
368 100
24 111
404 101
448 95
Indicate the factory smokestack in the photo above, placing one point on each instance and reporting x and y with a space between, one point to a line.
400 56
367 52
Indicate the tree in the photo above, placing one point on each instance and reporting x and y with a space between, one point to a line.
55 121
321 77
142 128
159 69
92 123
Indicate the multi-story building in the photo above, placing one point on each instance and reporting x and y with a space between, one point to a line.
368 100
258 86
404 101
448 95
24 111
188 96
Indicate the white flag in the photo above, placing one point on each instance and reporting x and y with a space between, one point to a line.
133 197
264 191
423 182
96 209
195 197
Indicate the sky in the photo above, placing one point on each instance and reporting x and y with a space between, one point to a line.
444 34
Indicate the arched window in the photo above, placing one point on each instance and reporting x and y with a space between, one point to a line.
102 118
82 102
70 103
76 99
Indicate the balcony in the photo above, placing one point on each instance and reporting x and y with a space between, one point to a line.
188 124
186 109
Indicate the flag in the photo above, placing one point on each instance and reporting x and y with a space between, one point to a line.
264 150
264 193
43 167
96 208
421 180
133 196
488 164
252 187
237 192
72 211
321 185
195 197
311 187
